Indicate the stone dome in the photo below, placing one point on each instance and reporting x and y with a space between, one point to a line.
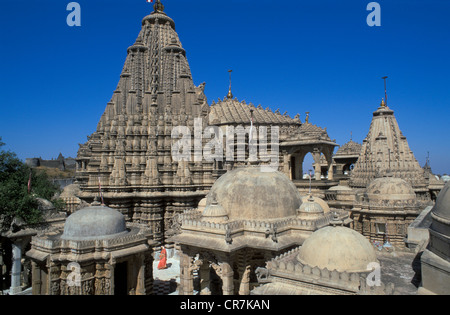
310 208
249 193
337 248
95 222
214 213
390 188
441 213
201 204
442 206
319 201
72 190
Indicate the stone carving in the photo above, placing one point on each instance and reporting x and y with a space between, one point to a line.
262 275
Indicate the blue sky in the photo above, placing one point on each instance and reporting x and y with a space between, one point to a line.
318 56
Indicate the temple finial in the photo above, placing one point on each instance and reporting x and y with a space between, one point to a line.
385 90
230 95
158 6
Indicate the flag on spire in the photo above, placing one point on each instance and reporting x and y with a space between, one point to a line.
149 1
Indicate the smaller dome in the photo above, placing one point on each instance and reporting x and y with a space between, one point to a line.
390 188
214 213
72 190
95 222
319 201
337 248
201 205
310 208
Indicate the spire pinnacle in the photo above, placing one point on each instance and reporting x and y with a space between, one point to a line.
230 95
158 6
385 89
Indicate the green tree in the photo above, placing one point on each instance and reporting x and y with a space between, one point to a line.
15 200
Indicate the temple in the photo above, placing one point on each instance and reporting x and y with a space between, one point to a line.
130 153
385 150
249 220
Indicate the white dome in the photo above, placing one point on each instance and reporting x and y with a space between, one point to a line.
249 193
337 248
97 222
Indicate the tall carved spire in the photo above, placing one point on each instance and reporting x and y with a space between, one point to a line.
385 151
154 90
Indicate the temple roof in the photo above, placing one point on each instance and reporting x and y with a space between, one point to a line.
307 134
232 111
351 148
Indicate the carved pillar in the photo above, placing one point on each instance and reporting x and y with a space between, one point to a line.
205 279
286 164
329 158
140 285
186 275
317 168
148 272
110 277
330 171
16 267
36 279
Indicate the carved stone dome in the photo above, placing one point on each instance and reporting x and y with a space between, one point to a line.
442 206
337 248
310 208
214 212
440 226
390 188
322 203
96 222
249 193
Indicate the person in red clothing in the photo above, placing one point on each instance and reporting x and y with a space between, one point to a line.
162 259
